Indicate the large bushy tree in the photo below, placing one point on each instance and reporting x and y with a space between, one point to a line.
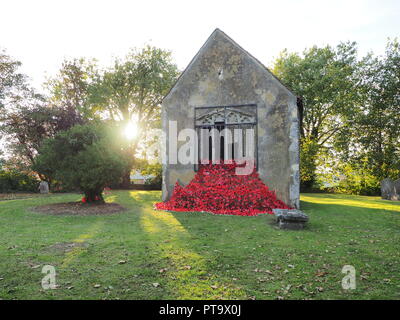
26 117
132 91
85 157
374 137
28 121
12 82
327 81
69 88
22 121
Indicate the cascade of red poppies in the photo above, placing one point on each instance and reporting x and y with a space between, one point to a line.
217 188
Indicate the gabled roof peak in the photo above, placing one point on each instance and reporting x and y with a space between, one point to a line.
219 33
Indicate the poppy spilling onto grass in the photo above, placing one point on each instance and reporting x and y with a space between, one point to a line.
218 189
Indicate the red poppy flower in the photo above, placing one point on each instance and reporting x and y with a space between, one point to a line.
218 189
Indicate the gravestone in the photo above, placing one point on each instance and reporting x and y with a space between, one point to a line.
390 190
386 188
396 190
44 187
290 219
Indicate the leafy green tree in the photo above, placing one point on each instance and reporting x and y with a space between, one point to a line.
327 80
17 181
23 122
11 81
27 122
69 88
374 137
25 128
85 157
309 152
28 118
132 91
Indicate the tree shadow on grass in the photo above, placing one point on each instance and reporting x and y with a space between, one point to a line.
337 234
194 255
189 274
198 255
163 259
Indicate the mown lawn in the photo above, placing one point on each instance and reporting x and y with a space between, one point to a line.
147 254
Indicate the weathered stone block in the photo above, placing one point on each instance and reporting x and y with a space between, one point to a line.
386 188
390 190
290 219
44 187
396 190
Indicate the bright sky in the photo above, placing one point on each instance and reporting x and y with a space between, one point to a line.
42 33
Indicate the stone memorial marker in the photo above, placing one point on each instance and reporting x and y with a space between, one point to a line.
292 219
44 187
390 190
396 190
386 188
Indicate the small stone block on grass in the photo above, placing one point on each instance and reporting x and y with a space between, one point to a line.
292 219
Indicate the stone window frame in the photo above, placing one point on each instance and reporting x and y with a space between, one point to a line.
254 123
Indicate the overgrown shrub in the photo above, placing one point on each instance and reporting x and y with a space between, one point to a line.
360 184
85 157
15 181
349 179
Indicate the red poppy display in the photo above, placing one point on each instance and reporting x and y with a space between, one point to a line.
217 188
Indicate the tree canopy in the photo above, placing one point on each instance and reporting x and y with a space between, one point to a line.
351 112
326 80
131 93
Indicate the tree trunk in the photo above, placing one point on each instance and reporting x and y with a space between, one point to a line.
126 179
94 196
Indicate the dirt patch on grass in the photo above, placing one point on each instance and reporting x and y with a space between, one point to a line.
79 209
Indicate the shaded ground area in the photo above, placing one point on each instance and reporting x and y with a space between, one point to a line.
79 208
148 254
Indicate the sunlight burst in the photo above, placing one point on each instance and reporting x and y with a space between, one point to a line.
130 131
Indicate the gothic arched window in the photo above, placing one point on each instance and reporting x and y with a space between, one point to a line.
226 133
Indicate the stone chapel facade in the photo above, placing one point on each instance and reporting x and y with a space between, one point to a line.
224 87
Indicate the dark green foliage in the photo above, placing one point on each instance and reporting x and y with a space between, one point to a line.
86 157
308 164
15 181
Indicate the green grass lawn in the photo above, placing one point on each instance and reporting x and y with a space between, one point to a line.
147 254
